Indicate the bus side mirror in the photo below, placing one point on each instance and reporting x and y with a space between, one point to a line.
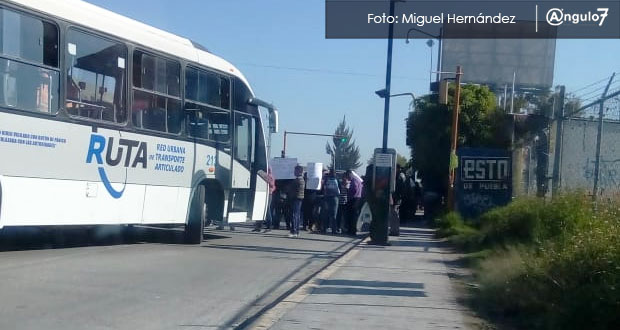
273 121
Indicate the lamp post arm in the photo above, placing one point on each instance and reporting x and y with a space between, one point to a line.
424 33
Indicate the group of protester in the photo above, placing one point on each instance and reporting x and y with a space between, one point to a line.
407 194
333 209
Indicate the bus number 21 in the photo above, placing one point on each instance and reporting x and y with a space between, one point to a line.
210 160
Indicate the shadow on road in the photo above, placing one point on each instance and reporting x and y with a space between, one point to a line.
368 292
38 238
279 250
375 284
420 242
279 233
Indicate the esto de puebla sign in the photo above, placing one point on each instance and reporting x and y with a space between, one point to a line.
484 180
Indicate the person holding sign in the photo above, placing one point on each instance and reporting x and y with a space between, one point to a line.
297 192
353 199
269 223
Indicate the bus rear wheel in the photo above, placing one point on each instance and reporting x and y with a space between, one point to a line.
194 229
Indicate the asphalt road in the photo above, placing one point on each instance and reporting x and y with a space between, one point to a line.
66 281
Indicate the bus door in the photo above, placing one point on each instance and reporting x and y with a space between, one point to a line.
259 185
239 206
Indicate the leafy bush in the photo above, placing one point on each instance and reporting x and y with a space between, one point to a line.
513 223
453 226
565 271
447 224
531 220
585 268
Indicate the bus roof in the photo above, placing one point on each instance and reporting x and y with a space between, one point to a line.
97 18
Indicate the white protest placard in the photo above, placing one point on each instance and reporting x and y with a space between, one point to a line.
283 168
315 174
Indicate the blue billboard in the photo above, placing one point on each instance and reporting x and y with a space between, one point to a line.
484 180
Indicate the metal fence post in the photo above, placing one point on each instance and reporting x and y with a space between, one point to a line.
599 137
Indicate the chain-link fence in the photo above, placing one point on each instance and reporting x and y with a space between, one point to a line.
588 141
572 143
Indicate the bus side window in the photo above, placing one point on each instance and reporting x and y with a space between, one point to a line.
96 74
241 95
225 92
198 121
209 117
156 93
32 83
219 126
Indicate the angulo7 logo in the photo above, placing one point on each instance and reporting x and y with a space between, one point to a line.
124 151
557 16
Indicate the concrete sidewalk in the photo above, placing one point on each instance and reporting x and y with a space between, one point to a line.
402 286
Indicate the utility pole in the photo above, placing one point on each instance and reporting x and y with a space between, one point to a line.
437 78
335 152
557 157
284 146
599 137
454 137
512 96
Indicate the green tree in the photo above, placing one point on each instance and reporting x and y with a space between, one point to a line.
347 154
428 131
402 161
539 102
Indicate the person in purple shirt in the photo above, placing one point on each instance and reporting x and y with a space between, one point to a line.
353 199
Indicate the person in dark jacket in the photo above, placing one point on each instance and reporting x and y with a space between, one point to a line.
342 204
307 207
297 193
401 194
280 204
331 193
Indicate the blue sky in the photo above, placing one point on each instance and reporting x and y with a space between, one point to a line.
264 38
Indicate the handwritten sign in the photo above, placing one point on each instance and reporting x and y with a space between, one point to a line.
315 175
283 168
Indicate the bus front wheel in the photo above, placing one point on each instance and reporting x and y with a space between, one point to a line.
194 229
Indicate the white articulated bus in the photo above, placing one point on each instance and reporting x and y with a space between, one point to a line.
105 120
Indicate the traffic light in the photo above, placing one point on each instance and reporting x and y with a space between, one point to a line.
339 140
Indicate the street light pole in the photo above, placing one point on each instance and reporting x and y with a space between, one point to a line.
430 43
381 212
388 80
